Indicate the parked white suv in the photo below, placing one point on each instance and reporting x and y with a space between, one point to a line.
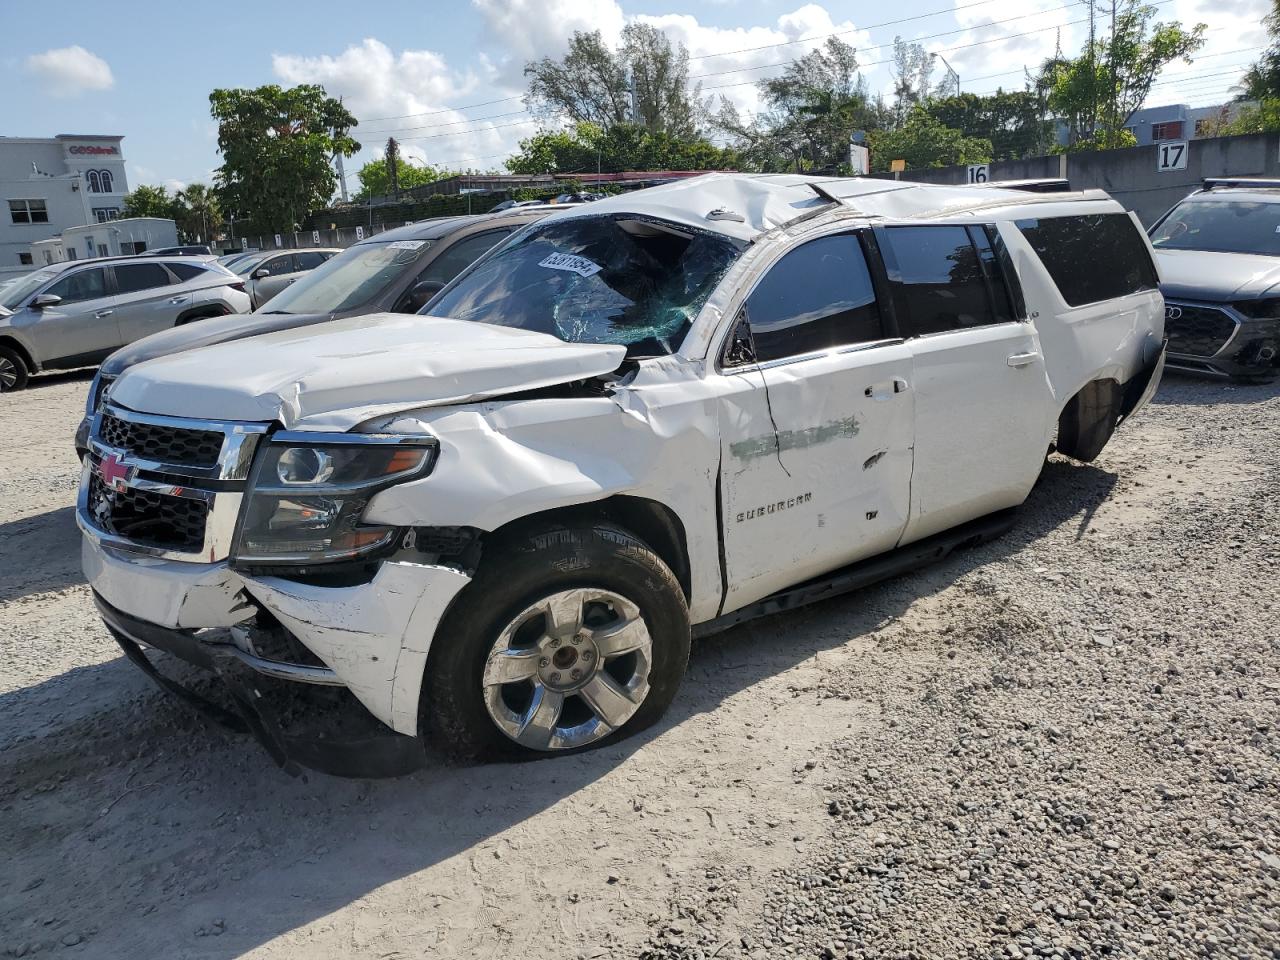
499 524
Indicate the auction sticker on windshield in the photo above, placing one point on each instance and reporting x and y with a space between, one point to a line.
406 244
567 261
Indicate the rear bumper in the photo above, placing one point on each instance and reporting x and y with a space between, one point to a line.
1137 393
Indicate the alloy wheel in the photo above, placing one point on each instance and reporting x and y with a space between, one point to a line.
568 670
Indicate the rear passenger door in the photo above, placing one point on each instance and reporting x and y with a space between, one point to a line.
146 299
984 409
816 421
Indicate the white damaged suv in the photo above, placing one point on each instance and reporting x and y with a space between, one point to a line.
497 525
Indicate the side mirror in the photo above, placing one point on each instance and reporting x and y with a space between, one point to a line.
46 300
260 273
741 348
422 293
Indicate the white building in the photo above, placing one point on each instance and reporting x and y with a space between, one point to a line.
50 184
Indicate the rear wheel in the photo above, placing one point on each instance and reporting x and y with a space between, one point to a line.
570 637
13 370
1089 420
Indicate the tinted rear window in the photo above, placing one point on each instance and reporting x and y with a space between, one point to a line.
186 271
1091 258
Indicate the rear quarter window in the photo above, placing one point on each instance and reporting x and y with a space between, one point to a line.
1093 257
185 271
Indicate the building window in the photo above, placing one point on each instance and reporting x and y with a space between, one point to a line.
105 177
1172 130
103 214
24 259
28 211
95 185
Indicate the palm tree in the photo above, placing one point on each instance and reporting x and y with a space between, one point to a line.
199 213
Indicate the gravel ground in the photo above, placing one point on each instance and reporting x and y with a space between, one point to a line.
1063 743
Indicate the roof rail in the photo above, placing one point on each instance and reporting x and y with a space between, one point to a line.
1211 182
1033 185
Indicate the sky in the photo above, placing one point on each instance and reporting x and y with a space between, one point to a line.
445 78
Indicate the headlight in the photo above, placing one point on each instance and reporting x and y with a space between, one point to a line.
308 492
1258 309
97 391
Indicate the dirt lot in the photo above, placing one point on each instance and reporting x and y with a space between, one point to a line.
1063 743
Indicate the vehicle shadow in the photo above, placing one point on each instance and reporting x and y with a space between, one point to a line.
1180 388
56 377
221 835
39 554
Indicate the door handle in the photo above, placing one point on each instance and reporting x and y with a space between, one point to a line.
103 313
177 299
1022 359
900 385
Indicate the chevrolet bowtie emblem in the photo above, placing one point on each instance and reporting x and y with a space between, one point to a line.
114 473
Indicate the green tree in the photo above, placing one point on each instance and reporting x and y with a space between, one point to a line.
588 147
1262 80
199 214
592 84
922 141
1100 90
148 201
810 111
277 146
375 177
1014 121
1263 117
588 85
912 68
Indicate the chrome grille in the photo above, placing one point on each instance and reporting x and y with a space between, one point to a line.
163 444
1196 330
148 518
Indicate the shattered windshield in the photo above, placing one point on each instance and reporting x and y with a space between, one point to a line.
1228 226
619 280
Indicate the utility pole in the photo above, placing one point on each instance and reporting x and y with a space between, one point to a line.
393 166
342 174
1093 66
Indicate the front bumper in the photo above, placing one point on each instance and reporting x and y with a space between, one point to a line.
372 638
1251 348
388 755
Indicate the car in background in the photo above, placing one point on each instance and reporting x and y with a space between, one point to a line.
579 197
190 250
1218 251
397 271
266 273
76 313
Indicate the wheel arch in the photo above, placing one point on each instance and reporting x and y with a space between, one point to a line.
655 523
203 311
16 345
1089 418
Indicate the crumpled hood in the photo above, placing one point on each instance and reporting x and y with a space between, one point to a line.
338 374
1222 277
202 333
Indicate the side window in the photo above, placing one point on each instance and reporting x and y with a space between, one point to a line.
938 280
309 261
183 271
1096 257
279 265
85 285
818 296
1002 309
130 278
453 259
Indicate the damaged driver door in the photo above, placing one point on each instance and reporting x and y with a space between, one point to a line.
816 423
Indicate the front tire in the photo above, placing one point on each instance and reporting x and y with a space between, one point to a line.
13 370
570 636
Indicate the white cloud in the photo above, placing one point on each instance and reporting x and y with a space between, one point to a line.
729 62
539 28
70 71
405 95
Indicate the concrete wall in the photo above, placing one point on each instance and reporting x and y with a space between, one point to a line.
1130 175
